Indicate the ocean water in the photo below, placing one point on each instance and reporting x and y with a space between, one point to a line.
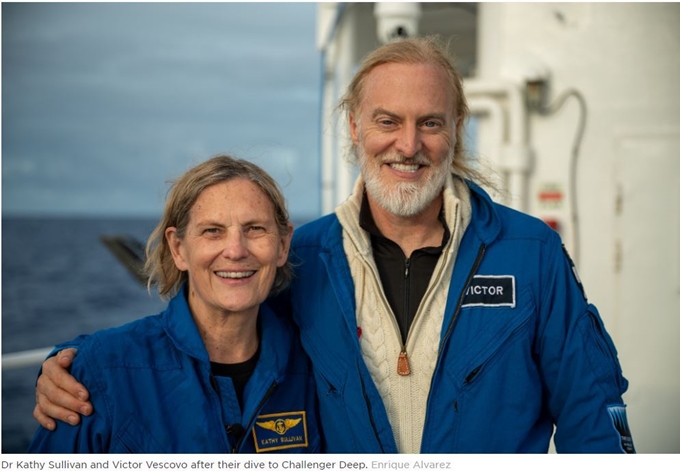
58 281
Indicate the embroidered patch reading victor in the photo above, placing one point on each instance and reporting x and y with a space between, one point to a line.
490 291
280 431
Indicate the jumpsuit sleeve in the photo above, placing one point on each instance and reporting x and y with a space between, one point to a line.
92 434
579 363
75 343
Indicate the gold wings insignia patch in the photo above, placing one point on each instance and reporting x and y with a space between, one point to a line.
292 422
269 425
280 431
280 426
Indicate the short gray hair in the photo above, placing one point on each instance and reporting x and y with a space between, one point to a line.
160 266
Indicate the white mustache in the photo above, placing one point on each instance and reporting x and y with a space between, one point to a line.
419 159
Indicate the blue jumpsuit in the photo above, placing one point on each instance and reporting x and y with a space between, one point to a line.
152 390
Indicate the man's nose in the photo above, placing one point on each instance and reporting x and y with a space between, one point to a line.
408 141
235 245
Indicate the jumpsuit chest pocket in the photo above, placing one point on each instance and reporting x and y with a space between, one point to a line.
483 332
134 437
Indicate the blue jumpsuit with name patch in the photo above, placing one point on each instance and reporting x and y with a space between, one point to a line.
152 390
521 351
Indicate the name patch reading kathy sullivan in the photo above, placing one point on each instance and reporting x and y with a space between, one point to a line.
280 431
490 291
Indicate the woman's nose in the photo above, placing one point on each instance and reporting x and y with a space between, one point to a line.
235 245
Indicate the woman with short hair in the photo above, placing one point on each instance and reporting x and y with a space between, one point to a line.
217 371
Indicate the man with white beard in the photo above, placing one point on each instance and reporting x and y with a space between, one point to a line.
436 320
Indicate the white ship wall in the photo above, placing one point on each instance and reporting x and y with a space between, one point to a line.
625 61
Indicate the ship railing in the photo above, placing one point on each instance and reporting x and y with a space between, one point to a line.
26 358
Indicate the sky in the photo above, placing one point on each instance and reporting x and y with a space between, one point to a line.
104 103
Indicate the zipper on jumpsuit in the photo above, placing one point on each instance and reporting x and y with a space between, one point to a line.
229 429
363 386
475 266
267 395
370 411
449 330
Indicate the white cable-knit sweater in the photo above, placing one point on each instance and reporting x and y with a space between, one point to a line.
405 397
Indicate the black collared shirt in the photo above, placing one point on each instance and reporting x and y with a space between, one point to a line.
403 279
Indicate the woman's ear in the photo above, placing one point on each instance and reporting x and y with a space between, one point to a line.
176 248
285 246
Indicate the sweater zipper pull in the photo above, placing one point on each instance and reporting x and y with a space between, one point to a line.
403 366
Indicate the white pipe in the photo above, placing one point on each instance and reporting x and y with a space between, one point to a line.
327 133
493 113
515 156
329 18
346 63
23 359
326 14
517 191
517 110
486 107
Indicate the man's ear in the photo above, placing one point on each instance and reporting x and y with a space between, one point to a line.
175 245
353 129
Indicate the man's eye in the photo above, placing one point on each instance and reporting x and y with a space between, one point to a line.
212 231
431 124
386 122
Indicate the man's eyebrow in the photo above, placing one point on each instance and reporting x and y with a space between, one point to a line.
436 116
442 116
381 111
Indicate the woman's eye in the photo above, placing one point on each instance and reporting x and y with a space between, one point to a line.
255 230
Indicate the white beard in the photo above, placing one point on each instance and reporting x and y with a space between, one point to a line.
404 199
